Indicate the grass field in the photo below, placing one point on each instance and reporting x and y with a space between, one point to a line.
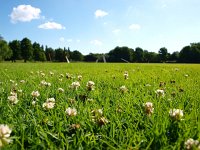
157 107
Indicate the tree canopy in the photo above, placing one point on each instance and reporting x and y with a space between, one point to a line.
24 49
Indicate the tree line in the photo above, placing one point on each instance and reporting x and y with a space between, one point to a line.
27 51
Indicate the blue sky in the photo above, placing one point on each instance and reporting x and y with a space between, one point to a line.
98 26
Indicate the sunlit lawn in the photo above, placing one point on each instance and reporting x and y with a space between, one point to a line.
111 114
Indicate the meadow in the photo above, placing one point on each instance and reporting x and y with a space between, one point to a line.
99 106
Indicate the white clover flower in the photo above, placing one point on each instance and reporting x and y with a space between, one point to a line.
61 90
123 89
61 75
51 73
13 93
12 81
148 106
44 83
90 85
148 85
176 114
80 77
160 92
71 111
42 74
49 104
35 94
186 75
75 85
90 100
33 103
13 99
5 132
126 75
20 91
68 76
191 143
22 81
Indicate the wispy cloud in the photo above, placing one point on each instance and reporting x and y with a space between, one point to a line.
51 25
134 27
116 31
100 13
24 13
96 42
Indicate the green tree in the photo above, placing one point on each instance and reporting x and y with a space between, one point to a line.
27 49
16 50
5 51
174 56
49 53
118 54
163 54
139 54
38 52
59 55
76 56
185 54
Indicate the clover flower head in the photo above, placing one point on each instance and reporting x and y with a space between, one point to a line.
160 93
186 75
13 93
22 81
5 132
123 89
176 114
191 143
71 111
35 94
61 90
51 73
13 99
148 106
90 85
126 75
49 104
80 77
44 83
75 85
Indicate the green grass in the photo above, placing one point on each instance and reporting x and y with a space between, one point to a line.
129 126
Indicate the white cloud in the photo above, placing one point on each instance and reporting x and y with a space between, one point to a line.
116 31
62 39
134 27
24 13
96 42
100 13
51 25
